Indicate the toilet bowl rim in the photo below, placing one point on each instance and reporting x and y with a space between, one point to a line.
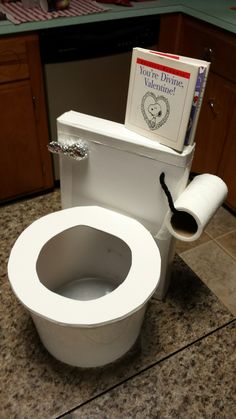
131 295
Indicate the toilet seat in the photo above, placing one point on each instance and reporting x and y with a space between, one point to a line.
128 297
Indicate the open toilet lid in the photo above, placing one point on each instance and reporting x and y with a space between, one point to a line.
127 298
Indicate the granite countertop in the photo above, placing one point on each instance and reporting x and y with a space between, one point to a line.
182 366
216 12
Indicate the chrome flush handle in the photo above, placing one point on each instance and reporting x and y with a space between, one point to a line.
77 151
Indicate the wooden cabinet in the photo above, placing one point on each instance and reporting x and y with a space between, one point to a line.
213 126
25 163
216 134
227 167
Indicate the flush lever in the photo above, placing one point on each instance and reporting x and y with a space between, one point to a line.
77 151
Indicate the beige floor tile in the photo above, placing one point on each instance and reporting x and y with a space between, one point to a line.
182 246
223 222
216 269
228 243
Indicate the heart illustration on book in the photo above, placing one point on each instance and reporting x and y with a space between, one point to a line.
155 110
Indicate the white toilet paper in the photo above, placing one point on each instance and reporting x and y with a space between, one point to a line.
196 206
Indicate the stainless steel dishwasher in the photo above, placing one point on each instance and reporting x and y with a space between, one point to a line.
86 67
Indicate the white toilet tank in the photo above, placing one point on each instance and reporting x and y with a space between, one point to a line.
121 171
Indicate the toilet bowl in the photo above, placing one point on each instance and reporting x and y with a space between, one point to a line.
86 275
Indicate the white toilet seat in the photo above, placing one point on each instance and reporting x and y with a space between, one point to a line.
128 297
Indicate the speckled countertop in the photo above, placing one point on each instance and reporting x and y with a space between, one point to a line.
182 366
217 12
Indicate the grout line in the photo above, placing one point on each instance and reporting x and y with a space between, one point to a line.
146 369
214 237
205 282
186 252
224 249
225 234
195 247
205 232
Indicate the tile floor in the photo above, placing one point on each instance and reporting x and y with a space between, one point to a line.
183 365
213 257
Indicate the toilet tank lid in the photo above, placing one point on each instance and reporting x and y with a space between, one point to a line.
73 126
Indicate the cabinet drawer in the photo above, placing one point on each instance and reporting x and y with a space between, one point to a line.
215 45
13 60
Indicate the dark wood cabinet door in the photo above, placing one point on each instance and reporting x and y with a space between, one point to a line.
227 169
21 168
213 126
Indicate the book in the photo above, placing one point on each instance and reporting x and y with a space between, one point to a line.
164 96
197 103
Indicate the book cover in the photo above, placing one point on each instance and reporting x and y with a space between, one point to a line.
197 102
195 105
161 96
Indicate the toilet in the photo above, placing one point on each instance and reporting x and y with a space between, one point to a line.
87 272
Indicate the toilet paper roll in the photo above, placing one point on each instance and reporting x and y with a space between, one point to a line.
196 206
